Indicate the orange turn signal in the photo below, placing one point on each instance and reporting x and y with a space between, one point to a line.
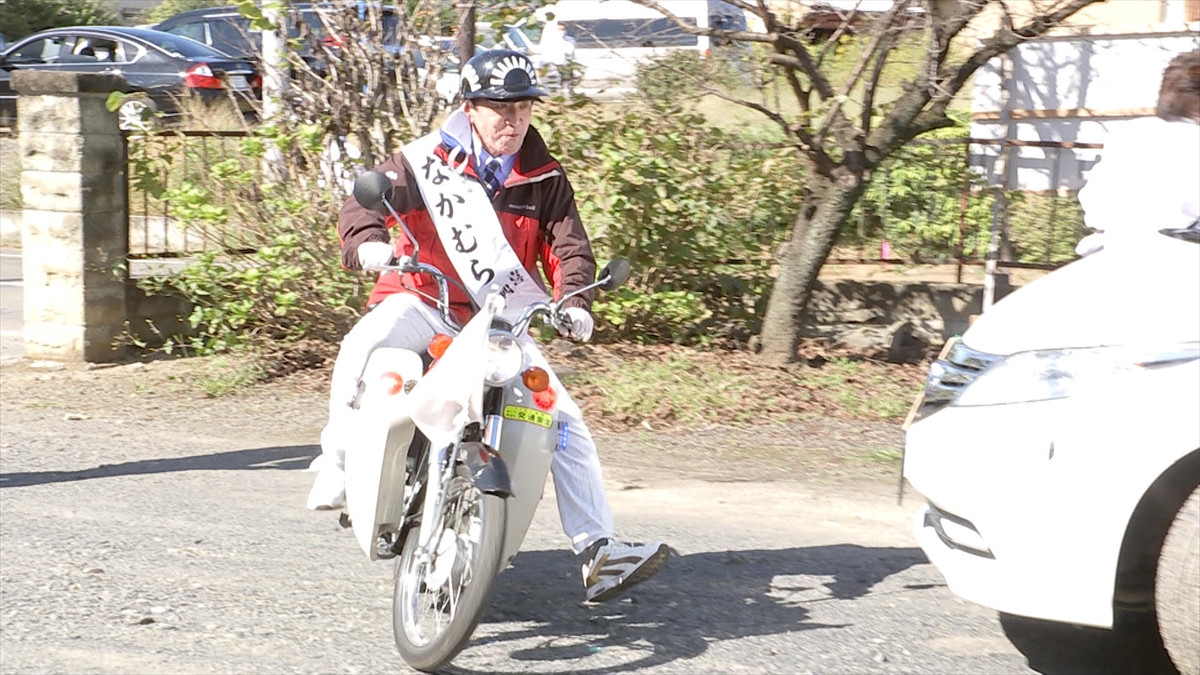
536 379
395 382
439 344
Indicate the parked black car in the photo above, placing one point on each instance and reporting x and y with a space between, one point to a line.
224 28
165 67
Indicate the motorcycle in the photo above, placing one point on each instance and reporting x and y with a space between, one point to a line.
452 456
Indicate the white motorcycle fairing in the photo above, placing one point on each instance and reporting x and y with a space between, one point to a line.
441 404
375 468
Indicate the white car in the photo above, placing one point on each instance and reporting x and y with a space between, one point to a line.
1058 446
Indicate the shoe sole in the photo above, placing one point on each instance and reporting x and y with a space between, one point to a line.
652 566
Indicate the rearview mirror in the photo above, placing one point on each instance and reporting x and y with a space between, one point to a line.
371 188
617 273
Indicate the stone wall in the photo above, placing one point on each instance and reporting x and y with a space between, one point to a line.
903 320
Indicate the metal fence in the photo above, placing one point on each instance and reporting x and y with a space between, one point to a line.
162 166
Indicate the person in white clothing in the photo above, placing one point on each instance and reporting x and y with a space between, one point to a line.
1148 178
489 138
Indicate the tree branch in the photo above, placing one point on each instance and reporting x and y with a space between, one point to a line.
873 84
739 35
909 114
837 35
1005 40
848 86
775 35
808 144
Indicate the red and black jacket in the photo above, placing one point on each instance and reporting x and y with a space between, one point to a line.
536 209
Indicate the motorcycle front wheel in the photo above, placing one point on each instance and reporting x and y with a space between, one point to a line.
438 602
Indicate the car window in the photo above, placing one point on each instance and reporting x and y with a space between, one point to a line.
127 52
518 38
233 36
90 48
625 33
179 46
194 31
45 50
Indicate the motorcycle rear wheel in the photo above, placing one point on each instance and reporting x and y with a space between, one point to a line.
426 641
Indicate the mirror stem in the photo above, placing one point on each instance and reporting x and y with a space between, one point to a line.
416 254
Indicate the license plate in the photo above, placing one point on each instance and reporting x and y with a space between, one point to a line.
239 82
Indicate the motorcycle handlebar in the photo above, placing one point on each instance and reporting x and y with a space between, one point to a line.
552 310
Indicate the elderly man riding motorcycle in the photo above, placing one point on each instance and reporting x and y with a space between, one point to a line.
489 138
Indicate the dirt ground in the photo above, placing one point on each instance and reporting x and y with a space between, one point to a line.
791 431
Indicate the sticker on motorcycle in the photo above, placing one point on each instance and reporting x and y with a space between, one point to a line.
512 412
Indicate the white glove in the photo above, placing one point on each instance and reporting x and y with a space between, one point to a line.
581 323
374 253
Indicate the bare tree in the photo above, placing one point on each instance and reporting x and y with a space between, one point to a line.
843 131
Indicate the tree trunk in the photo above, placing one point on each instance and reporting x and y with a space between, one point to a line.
466 30
813 236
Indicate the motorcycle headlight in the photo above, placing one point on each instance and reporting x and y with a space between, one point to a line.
1060 373
504 359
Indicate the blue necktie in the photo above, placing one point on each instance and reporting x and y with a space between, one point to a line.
490 176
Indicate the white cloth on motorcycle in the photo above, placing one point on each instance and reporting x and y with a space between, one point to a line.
470 232
450 396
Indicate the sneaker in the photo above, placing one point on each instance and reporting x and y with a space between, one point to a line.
613 567
329 489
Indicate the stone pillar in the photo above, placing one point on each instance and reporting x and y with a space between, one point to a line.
74 234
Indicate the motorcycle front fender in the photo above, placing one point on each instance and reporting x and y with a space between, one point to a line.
487 469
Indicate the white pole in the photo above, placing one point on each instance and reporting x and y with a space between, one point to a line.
274 86
1000 181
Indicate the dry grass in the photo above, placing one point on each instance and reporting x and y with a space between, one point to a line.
624 386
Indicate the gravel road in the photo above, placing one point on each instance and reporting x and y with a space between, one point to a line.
145 529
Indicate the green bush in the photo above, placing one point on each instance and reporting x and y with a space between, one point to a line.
697 214
926 198
1044 228
19 18
291 286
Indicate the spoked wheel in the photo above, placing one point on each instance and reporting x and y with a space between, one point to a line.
438 602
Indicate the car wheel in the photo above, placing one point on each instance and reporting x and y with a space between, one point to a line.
136 115
1177 588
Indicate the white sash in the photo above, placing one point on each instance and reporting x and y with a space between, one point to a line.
469 230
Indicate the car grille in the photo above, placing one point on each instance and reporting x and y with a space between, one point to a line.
958 367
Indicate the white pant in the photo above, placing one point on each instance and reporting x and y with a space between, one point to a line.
403 321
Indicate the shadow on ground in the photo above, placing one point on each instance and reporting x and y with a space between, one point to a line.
279 458
1062 649
697 599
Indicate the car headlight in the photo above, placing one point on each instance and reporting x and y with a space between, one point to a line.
1060 373
504 359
